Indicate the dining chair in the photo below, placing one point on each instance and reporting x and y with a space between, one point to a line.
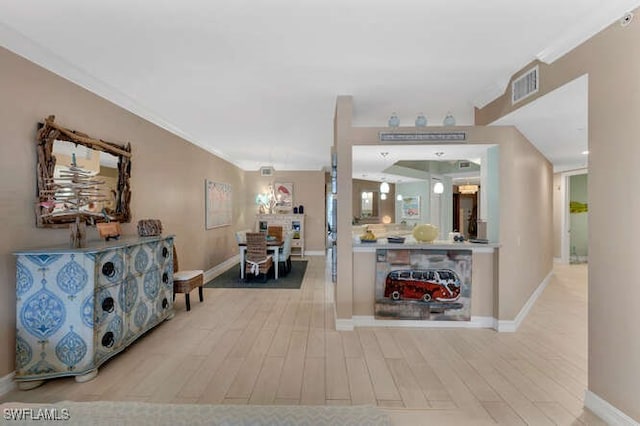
276 232
257 261
185 281
284 258
241 236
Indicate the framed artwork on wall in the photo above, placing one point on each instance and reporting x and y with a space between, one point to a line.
423 284
218 206
283 191
410 207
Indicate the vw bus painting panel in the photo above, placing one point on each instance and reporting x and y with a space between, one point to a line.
423 284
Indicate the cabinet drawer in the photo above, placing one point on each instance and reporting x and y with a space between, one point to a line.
141 258
296 243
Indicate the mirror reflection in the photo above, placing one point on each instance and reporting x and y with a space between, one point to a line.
367 204
459 203
102 166
80 178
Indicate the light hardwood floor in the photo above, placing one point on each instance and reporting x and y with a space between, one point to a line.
281 347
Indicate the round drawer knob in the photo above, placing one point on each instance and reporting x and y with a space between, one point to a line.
165 278
109 269
108 304
107 339
165 303
165 252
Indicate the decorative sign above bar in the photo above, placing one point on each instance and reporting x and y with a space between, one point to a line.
423 137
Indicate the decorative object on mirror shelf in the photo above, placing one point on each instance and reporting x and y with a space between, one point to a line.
399 197
394 121
425 233
421 120
149 227
69 194
300 209
295 210
449 120
109 230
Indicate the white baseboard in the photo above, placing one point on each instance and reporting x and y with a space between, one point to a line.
510 326
221 268
7 384
370 321
607 412
344 324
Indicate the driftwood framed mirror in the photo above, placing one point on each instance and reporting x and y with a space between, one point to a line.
60 150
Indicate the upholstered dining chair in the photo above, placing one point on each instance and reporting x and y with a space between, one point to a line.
276 232
257 261
284 258
241 236
185 281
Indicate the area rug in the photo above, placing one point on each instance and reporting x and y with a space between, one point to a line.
231 278
145 413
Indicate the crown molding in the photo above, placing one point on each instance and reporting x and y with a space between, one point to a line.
23 46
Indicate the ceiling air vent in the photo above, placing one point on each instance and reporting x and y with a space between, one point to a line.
525 85
266 171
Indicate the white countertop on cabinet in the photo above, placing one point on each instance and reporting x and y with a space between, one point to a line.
411 243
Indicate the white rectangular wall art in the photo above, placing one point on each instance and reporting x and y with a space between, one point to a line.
218 205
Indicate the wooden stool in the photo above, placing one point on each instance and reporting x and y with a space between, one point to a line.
185 281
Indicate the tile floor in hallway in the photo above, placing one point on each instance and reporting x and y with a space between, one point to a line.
253 346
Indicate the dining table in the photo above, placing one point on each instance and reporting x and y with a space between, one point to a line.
273 246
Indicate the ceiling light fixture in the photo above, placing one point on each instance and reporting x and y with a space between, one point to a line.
467 189
384 186
399 197
383 196
438 188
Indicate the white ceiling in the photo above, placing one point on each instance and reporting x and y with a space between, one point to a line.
558 123
256 82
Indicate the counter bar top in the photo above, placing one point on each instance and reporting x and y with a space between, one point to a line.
411 243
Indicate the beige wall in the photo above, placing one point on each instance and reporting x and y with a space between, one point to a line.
167 180
308 190
526 255
612 61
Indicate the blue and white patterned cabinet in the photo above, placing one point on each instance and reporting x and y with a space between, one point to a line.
76 308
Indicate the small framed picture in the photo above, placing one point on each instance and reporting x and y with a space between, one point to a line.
283 192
